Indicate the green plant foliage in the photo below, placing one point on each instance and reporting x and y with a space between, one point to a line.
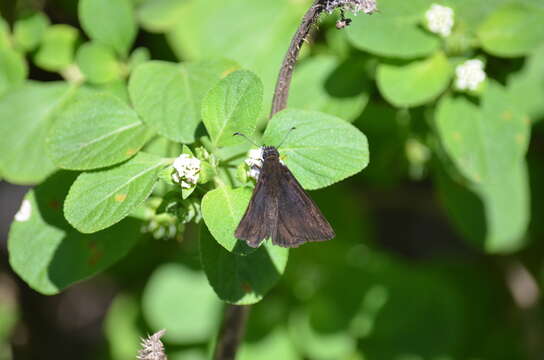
322 150
57 48
208 31
48 253
98 63
241 279
232 105
95 130
172 290
24 128
160 15
513 30
488 144
13 69
110 22
394 31
416 83
222 210
324 84
100 199
28 31
176 113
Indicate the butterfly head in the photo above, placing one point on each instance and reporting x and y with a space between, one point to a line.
270 151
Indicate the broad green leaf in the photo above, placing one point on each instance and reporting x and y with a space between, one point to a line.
98 63
416 83
232 105
5 36
526 87
222 210
110 22
513 30
160 15
102 198
121 327
255 34
176 292
57 49
137 57
27 114
488 144
168 96
28 31
50 255
322 83
95 130
322 150
394 31
13 69
241 279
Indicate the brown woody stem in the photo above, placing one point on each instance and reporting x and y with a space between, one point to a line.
232 332
281 93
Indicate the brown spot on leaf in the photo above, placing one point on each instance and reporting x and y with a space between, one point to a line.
95 254
457 136
120 197
228 71
131 152
520 139
247 287
507 115
54 204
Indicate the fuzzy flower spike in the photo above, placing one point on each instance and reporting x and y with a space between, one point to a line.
152 347
186 170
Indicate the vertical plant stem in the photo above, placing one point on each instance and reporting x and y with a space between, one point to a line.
232 332
281 93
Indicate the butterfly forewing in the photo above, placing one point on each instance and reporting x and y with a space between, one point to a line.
280 209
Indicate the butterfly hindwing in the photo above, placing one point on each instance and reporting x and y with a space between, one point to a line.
299 219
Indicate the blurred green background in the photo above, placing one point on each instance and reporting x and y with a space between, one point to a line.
439 251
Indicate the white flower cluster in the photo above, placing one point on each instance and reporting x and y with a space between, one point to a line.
255 162
440 19
187 170
355 6
469 75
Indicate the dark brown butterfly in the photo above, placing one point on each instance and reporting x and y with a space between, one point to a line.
280 209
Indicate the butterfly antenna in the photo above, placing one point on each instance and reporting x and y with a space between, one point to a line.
247 138
285 137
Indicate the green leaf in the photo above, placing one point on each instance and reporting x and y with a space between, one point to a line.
100 199
222 210
95 130
110 22
48 254
240 279
121 327
207 34
416 83
98 63
27 114
160 15
57 48
176 292
323 84
394 31
28 31
232 105
513 30
526 87
5 36
174 114
13 69
322 150
488 145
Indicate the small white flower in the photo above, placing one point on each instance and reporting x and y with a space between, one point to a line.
440 19
255 162
152 347
25 211
355 6
469 75
187 170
